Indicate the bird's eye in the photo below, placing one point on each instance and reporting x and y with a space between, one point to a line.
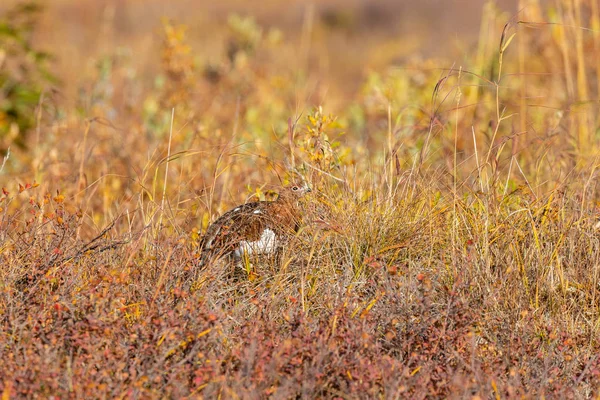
295 188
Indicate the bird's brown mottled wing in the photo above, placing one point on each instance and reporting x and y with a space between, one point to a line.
285 218
245 222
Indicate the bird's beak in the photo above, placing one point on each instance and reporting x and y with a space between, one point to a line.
307 189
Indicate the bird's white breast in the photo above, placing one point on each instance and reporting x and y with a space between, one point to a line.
266 244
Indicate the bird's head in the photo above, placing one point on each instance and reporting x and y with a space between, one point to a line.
294 191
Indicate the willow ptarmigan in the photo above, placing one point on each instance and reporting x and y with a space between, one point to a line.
260 227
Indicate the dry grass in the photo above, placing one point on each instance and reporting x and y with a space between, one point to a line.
451 248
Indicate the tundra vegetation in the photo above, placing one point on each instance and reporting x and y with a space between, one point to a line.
450 246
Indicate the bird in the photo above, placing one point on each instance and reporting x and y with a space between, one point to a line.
260 227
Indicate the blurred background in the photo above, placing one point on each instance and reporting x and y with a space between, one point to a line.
340 40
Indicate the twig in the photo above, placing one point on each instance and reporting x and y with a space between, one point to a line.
6 157
162 205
